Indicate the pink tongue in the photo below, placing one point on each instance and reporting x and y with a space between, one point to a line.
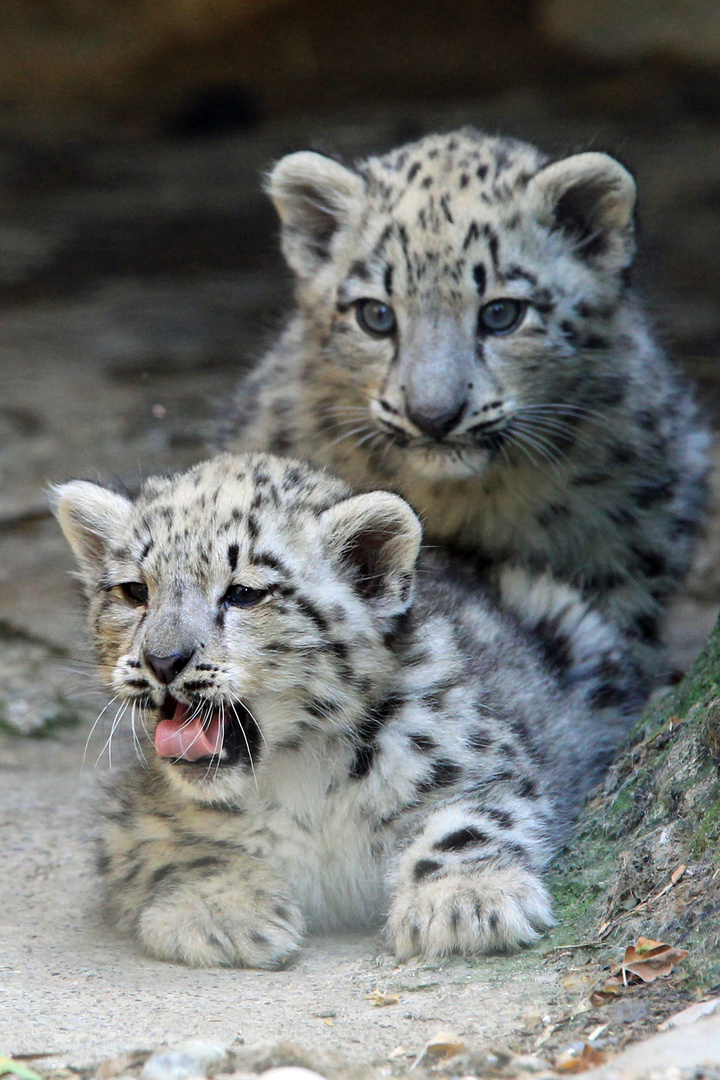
186 737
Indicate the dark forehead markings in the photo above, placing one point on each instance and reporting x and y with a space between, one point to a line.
446 209
517 272
493 244
413 171
147 549
233 557
388 279
481 172
473 233
480 276
382 241
359 269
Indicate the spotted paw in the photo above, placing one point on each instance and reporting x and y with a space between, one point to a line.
221 929
487 911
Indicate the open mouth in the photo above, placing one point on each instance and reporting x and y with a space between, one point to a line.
203 734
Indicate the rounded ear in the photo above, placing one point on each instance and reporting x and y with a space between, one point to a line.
91 517
591 198
316 198
376 539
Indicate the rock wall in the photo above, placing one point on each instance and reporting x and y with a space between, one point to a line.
73 66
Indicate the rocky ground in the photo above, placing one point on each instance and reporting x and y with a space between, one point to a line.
136 280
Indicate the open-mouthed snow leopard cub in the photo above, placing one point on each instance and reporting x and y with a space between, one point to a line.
335 738
464 335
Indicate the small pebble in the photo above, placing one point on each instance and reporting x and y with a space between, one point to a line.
291 1072
189 1060
211 1055
172 1065
530 1063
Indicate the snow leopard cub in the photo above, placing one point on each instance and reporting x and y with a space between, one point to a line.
335 739
465 336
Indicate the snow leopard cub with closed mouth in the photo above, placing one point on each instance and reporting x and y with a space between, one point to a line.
336 740
464 335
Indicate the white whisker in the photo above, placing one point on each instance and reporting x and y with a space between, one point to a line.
92 729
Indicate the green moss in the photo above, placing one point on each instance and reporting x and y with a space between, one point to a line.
702 682
707 833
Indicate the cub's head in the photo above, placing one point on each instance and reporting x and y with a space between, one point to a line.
457 293
242 606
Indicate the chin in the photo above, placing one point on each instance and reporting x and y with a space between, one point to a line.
437 463
202 784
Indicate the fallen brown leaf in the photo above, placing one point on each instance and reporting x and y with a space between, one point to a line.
611 989
443 1045
576 1060
380 999
578 980
115 1066
649 959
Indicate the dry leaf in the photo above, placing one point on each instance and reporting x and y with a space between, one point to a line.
581 1007
690 1015
577 980
544 1036
444 1045
611 988
379 999
577 1060
650 959
120 1064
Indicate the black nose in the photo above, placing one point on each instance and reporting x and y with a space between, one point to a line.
167 667
434 423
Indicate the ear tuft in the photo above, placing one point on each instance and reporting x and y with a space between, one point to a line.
376 539
90 517
316 198
591 198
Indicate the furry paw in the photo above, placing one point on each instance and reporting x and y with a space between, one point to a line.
220 929
490 910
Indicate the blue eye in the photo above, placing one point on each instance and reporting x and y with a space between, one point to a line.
243 596
375 318
501 316
134 591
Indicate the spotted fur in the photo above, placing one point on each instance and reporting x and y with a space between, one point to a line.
561 443
392 747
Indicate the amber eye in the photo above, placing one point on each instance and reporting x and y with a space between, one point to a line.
375 318
243 596
501 316
135 591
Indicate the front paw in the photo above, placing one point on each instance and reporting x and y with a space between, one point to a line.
485 911
221 928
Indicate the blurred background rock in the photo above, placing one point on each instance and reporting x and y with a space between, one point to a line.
75 66
139 271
